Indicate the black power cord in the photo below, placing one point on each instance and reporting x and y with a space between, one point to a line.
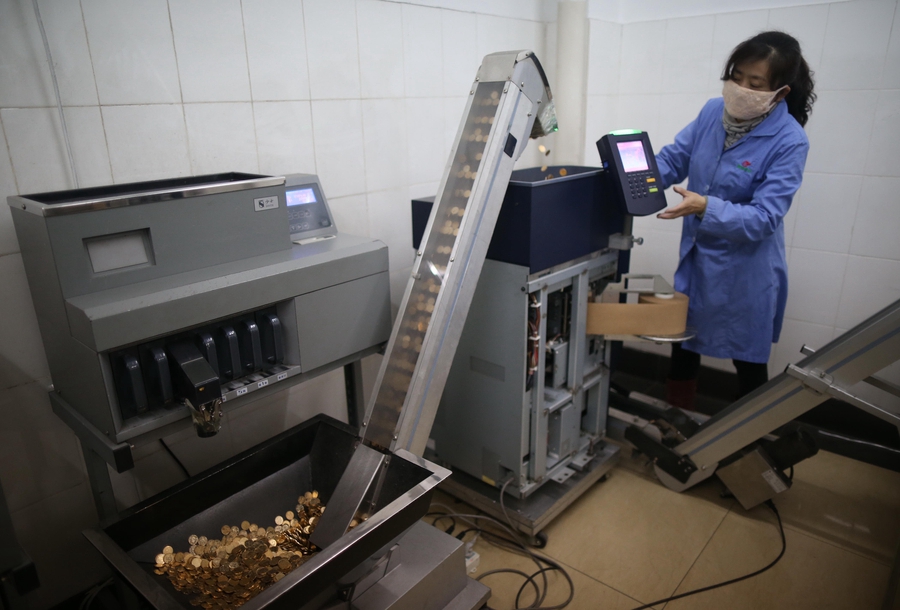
771 505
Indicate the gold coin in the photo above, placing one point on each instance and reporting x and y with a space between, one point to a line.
289 515
563 171
193 539
279 520
160 559
168 557
167 550
245 525
226 529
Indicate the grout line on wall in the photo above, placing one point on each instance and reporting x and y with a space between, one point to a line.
87 40
312 121
12 169
187 137
250 85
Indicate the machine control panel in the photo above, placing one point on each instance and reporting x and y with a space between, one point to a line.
628 157
308 211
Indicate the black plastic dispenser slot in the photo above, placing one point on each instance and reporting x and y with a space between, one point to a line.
229 354
129 385
193 377
250 347
271 338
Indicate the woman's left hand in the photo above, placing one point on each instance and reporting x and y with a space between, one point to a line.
693 203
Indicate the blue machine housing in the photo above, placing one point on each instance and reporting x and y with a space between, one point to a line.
546 221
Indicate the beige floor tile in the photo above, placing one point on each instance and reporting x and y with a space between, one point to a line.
589 594
811 575
634 535
845 502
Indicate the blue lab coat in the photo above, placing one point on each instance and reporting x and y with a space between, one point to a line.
732 262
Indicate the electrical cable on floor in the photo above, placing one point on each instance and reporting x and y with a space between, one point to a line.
771 505
175 457
515 544
91 595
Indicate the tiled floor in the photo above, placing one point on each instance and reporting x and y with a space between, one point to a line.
630 541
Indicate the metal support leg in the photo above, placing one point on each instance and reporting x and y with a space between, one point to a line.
353 382
101 484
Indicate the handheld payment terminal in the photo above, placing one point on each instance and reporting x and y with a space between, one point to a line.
628 157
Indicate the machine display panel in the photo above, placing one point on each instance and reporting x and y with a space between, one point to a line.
301 196
307 209
633 157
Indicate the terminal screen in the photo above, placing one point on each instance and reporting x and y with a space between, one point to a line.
633 157
301 196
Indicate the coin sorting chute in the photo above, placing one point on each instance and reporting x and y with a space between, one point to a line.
510 102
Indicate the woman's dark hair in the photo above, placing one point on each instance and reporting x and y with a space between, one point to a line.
786 67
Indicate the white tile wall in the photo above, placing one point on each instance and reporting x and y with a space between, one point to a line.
891 74
8 241
64 26
384 134
643 46
380 29
24 77
825 214
884 148
132 51
146 142
815 285
459 38
875 232
869 285
39 455
638 111
425 134
423 51
36 149
687 55
209 44
340 159
351 214
332 49
22 356
221 138
604 49
390 220
805 23
88 140
276 49
840 131
856 43
284 137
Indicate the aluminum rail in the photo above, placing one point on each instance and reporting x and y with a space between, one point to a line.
830 372
510 102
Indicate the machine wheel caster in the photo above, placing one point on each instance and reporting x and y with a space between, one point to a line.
538 541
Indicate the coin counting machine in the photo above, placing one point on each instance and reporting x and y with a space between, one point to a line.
168 302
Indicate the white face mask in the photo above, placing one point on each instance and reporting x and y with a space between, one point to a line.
745 104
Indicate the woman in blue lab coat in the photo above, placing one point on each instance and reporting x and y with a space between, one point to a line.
744 157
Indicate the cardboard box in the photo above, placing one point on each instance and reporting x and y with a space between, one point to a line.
651 315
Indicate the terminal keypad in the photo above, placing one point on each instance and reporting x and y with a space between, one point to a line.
641 184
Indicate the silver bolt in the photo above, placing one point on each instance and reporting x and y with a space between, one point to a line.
395 437
452 259
419 253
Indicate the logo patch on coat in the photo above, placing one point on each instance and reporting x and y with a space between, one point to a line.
745 167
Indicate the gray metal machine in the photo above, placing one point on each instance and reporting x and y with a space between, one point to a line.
164 303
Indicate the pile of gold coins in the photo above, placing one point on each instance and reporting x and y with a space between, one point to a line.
226 572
